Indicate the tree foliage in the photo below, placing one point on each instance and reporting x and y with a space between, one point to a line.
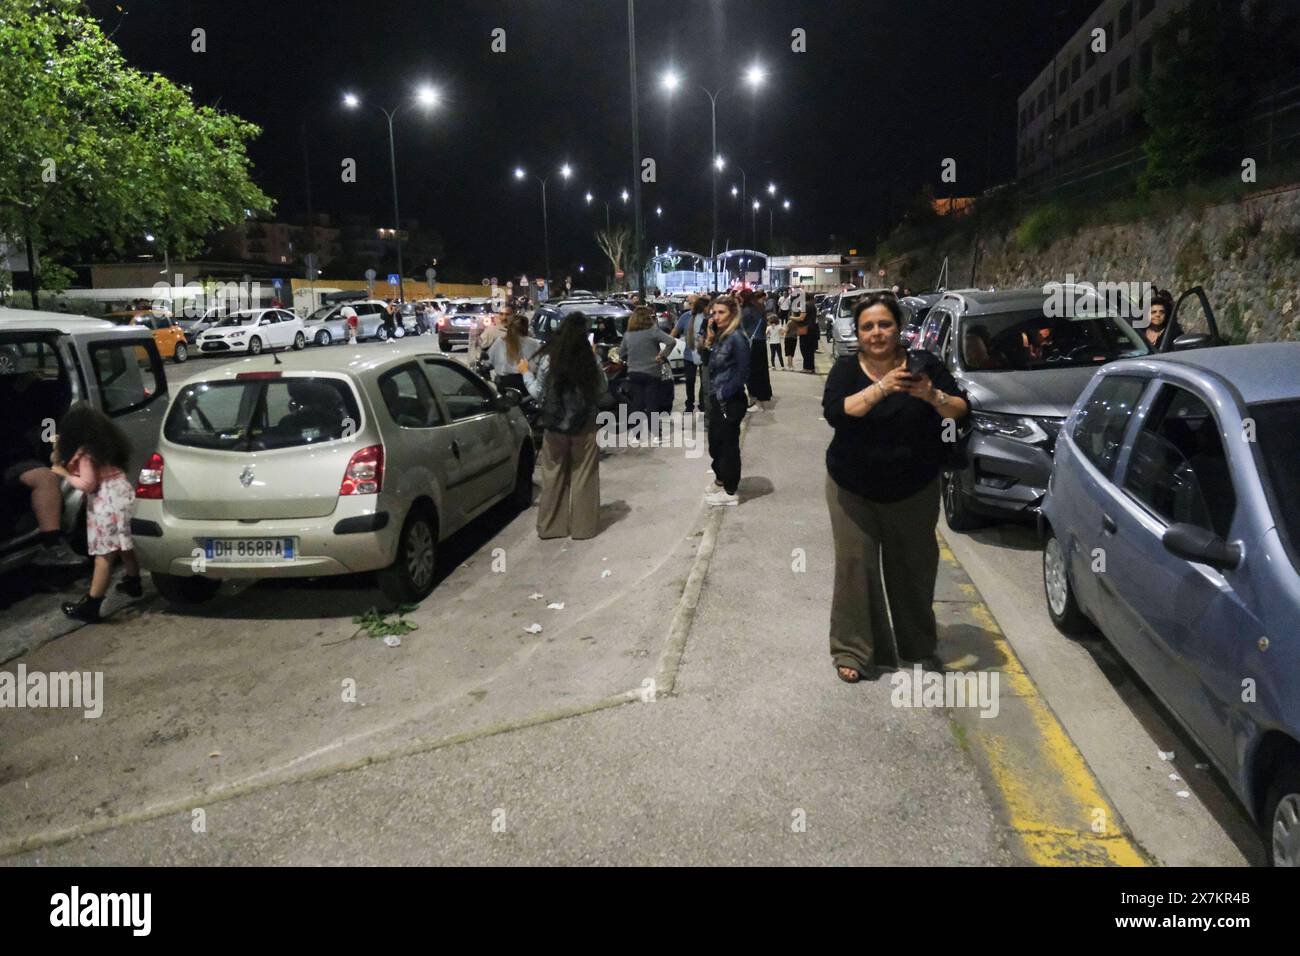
93 149
1215 59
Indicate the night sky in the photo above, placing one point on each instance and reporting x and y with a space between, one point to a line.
847 130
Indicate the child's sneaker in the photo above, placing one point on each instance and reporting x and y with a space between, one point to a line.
87 609
130 586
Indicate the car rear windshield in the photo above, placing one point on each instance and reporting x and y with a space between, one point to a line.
1018 341
1277 432
471 308
233 320
261 414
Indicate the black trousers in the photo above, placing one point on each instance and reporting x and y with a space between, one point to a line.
691 368
775 349
808 349
645 397
724 439
513 380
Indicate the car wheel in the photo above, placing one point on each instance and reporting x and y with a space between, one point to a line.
955 510
185 591
381 333
1061 605
299 342
411 575
444 345
1282 818
181 353
254 346
522 496
323 337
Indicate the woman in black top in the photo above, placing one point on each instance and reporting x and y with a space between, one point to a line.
893 432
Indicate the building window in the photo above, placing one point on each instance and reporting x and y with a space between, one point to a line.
1087 104
1126 19
1123 74
1144 60
1076 68
1074 114
1103 92
1145 7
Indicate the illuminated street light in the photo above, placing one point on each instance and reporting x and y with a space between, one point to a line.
566 171
771 189
427 97
625 196
755 75
671 81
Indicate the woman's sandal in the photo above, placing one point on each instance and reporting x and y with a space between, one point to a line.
857 674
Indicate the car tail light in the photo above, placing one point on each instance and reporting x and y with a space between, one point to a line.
442 321
150 483
365 472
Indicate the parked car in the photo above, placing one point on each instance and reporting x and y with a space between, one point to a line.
608 319
455 325
252 330
326 463
916 308
326 325
167 334
49 360
1023 371
194 327
1172 524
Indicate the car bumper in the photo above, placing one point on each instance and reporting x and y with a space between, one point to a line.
1007 478
360 535
215 348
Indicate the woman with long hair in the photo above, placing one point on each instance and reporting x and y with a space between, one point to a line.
729 365
568 384
92 454
505 352
890 409
753 321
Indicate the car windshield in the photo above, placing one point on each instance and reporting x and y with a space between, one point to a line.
234 320
321 314
1031 341
1277 435
261 414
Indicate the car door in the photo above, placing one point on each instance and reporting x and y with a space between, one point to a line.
1084 491
423 442
1193 633
487 448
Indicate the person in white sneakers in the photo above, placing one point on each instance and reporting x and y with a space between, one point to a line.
729 362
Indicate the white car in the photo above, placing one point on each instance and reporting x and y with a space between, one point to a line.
253 330
330 462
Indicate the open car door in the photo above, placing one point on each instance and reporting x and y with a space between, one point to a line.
1191 340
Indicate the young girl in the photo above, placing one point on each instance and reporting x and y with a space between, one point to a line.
775 332
92 454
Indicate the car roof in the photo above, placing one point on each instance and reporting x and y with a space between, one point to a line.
29 320
335 360
995 301
1263 372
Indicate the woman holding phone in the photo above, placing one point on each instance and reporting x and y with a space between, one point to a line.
889 408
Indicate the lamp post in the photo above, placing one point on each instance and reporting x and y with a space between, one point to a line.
754 76
427 97
590 197
566 171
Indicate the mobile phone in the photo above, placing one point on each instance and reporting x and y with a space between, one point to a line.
915 363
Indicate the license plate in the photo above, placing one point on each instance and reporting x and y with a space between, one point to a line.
240 550
462 321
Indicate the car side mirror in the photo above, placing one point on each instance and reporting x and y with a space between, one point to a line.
1192 340
1204 547
508 399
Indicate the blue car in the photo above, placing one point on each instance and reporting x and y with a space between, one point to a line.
1172 524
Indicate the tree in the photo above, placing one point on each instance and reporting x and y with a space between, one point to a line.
616 243
92 149
1215 59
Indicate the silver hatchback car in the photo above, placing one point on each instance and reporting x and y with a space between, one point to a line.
325 463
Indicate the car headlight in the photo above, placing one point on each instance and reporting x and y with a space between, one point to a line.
235 335
1016 427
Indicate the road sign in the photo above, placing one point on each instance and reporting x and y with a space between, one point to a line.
277 284
309 261
619 274
394 279
431 275
486 282
370 275
881 273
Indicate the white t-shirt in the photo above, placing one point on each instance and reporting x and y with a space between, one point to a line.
774 331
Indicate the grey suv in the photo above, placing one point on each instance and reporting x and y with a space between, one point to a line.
1023 370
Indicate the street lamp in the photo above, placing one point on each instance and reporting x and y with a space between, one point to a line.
605 202
427 97
671 80
566 171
